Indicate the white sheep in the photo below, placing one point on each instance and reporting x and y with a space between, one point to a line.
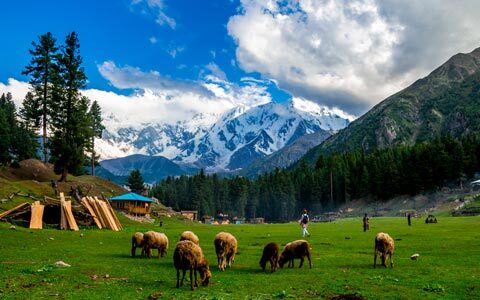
155 240
189 236
384 246
225 248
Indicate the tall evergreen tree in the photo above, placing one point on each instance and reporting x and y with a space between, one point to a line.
43 72
17 142
70 123
96 129
135 181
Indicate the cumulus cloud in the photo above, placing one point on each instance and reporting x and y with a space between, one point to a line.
350 54
159 100
18 89
156 8
128 77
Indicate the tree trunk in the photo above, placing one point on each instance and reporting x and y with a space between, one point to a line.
93 156
44 121
64 175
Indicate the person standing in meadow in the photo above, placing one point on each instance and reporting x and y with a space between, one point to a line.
366 226
304 223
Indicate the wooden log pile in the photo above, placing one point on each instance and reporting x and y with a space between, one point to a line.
92 211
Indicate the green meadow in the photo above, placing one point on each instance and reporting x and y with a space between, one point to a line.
101 266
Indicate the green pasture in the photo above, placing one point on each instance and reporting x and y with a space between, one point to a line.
101 266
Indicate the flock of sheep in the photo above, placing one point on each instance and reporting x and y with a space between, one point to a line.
189 256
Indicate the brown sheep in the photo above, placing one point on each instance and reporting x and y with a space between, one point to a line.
190 236
189 256
155 240
137 241
295 249
384 246
270 253
226 248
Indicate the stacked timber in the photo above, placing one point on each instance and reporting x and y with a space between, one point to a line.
91 208
102 213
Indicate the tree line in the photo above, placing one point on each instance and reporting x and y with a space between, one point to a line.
67 120
334 180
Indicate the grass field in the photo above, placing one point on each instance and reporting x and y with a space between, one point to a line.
448 266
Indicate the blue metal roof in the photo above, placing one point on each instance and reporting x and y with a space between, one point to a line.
131 197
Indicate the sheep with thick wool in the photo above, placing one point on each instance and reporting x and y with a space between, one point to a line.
225 248
137 242
295 249
189 236
270 253
384 246
189 256
155 240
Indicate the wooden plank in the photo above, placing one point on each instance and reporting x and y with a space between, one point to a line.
63 218
111 215
18 207
112 211
90 210
37 215
94 206
72 224
107 215
101 213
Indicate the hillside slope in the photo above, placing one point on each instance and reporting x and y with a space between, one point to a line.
285 156
445 102
33 178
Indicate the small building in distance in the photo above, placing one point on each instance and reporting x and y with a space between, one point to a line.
132 203
189 214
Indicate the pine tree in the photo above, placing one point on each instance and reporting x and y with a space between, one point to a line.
43 73
70 123
135 181
4 134
96 129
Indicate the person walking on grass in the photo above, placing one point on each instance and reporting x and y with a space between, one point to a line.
304 223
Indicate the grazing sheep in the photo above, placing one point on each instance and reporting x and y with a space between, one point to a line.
270 253
137 241
226 248
384 246
189 256
155 240
189 236
295 249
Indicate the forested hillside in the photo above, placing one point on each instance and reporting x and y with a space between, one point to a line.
335 179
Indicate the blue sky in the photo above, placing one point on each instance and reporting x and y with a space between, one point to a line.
344 54
126 33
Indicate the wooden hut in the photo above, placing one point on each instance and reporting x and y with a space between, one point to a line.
132 203
190 214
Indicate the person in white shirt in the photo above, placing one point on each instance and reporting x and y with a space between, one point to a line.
304 223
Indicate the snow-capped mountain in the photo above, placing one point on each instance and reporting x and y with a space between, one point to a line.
223 142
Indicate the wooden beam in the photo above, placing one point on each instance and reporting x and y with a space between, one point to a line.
18 207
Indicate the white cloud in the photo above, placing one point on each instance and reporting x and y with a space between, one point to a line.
18 89
351 54
155 8
175 50
215 69
128 77
154 104
153 40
